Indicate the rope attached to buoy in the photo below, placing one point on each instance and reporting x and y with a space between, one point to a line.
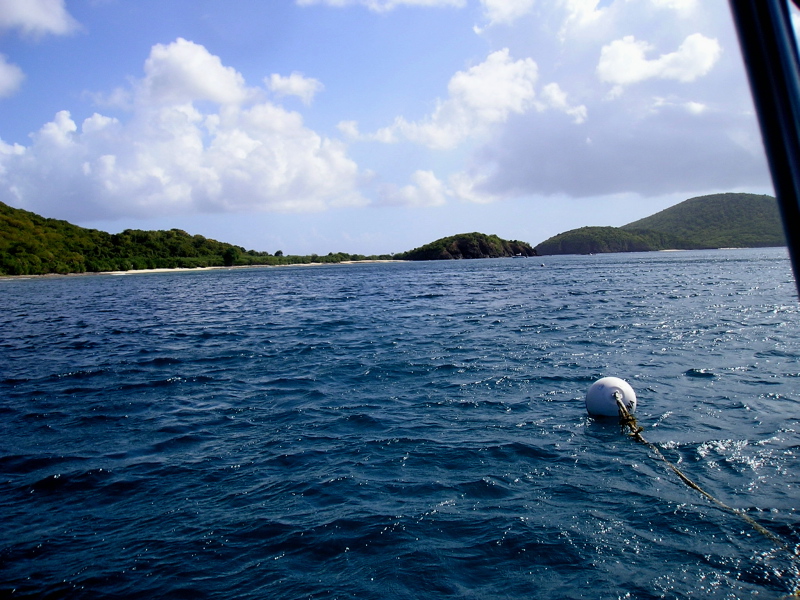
611 396
627 420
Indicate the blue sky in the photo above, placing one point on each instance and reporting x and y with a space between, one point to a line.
370 126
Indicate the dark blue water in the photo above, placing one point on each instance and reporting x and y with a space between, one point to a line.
401 430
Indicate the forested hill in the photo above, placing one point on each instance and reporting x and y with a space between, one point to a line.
34 245
715 221
720 221
469 245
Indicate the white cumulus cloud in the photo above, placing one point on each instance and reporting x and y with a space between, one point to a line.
426 190
470 187
660 136
624 61
184 72
11 77
36 17
506 11
483 95
479 98
579 15
695 108
552 96
295 85
198 140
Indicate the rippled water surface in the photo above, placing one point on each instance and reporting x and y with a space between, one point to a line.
403 430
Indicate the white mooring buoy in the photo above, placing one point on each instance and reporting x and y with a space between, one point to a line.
601 399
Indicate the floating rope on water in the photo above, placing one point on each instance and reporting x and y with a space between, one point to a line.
614 397
627 420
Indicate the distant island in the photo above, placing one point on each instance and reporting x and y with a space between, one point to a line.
34 245
715 221
467 246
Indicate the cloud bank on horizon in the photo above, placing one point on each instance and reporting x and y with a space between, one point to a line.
550 98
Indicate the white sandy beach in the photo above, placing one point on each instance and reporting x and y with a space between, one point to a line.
179 269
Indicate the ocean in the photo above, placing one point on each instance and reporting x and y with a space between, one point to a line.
402 430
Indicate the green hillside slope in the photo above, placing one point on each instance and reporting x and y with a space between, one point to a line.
715 221
34 245
595 240
720 221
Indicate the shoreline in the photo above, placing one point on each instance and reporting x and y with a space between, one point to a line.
193 269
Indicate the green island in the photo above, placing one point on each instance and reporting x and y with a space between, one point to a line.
716 221
34 245
469 245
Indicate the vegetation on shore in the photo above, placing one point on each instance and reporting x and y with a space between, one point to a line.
715 221
467 246
594 240
35 245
